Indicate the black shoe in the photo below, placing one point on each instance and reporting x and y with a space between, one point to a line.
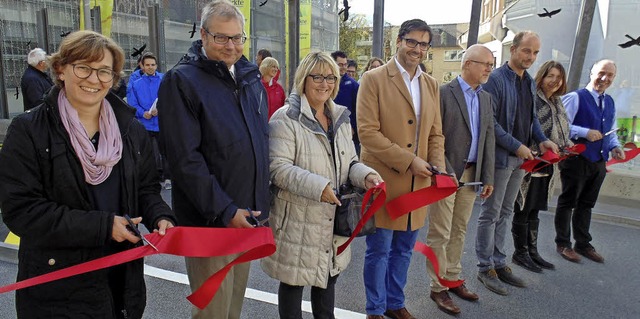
508 277
524 260
540 261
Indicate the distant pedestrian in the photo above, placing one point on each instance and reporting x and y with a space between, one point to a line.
143 96
347 93
352 69
35 81
275 93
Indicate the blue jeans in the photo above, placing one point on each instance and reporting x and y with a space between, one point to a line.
494 222
386 263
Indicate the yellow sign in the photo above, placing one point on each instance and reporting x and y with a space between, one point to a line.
106 11
305 28
12 239
245 8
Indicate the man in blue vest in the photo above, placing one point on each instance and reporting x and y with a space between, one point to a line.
592 116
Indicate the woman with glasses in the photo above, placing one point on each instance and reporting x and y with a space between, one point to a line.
311 154
537 187
275 93
72 170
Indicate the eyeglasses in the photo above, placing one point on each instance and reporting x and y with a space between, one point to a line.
424 46
224 39
488 65
84 71
342 65
331 79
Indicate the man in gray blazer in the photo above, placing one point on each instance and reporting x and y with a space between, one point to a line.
468 127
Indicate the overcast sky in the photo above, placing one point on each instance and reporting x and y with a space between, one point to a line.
432 11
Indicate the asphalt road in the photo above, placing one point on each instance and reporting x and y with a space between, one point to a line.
586 290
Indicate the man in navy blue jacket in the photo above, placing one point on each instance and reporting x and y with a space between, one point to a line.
213 127
513 94
347 93
592 115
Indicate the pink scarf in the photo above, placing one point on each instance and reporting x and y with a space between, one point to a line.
96 165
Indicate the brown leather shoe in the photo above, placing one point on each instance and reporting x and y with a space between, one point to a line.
401 313
464 293
590 253
568 254
444 302
375 317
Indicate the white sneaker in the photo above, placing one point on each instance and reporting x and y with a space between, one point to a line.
167 184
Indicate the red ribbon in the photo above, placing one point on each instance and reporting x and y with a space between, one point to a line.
431 256
630 154
379 189
550 158
253 243
402 205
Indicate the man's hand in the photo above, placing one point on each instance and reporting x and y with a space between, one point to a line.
328 196
618 154
239 220
544 146
163 225
420 167
119 231
372 180
154 112
594 135
146 115
487 190
524 152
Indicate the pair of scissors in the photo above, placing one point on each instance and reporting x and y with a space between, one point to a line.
254 221
463 184
434 170
135 230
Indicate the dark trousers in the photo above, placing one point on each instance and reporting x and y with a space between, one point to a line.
322 300
581 181
161 162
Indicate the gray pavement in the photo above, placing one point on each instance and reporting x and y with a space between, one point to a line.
586 290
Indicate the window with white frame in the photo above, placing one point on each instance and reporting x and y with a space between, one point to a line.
453 55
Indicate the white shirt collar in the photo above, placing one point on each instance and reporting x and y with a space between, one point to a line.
402 70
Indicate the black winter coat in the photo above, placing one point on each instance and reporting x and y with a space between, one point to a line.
45 200
215 135
34 84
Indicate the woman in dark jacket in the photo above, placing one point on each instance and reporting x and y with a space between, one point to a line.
70 169
536 187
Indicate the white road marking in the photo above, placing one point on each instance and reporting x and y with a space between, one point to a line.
250 293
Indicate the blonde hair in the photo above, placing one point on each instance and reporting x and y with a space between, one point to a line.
307 65
86 46
266 65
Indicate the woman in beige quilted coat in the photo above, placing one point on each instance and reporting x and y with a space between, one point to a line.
311 152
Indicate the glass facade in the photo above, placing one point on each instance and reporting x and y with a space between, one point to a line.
267 28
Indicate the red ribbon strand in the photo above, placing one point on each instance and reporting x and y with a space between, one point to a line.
251 243
381 190
402 205
431 256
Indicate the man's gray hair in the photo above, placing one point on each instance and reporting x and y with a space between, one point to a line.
36 56
220 8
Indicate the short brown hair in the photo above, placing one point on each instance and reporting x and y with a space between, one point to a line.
86 46
544 70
